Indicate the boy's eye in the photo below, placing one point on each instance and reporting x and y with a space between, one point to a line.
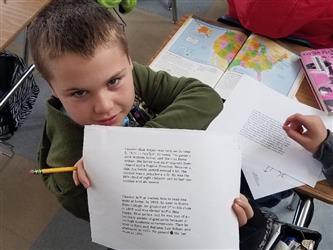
79 93
114 81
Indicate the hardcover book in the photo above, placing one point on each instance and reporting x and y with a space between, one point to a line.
318 66
219 55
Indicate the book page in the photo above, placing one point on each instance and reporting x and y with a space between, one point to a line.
256 114
266 61
162 189
200 50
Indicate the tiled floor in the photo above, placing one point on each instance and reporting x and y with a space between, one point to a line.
26 207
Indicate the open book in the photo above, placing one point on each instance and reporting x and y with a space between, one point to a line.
218 56
162 188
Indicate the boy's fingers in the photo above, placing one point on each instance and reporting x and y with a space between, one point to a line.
245 205
243 197
296 122
297 127
290 119
307 121
296 136
240 214
75 178
82 175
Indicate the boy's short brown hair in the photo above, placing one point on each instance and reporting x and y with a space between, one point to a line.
72 26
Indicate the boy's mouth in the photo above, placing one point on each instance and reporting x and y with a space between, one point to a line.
109 121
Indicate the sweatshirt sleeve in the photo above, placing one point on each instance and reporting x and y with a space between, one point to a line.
325 155
61 145
179 102
253 232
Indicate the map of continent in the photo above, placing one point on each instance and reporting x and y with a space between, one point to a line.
268 62
207 44
226 47
256 56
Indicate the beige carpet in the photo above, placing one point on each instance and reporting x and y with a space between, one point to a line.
146 31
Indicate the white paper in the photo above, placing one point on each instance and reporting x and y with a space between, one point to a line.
265 180
162 189
256 113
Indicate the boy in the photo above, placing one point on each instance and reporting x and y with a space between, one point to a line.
310 132
81 51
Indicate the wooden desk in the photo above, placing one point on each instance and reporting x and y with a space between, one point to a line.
322 191
15 16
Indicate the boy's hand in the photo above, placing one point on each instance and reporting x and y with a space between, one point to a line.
308 130
242 209
80 175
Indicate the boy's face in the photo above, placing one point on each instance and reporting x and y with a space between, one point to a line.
97 90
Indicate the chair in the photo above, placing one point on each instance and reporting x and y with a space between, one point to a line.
172 5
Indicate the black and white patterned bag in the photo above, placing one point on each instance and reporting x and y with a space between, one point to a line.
20 102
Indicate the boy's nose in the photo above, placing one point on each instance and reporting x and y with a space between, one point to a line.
103 103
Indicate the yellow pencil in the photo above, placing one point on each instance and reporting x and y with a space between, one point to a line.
53 170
